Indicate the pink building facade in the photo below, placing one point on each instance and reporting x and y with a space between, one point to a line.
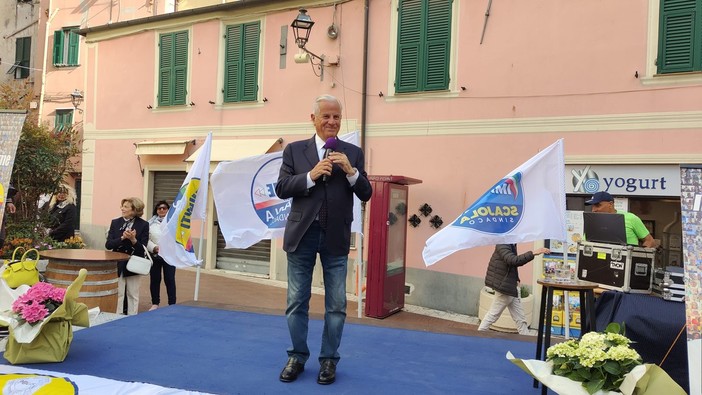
443 94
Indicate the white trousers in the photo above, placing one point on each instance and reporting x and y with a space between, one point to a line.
131 284
498 306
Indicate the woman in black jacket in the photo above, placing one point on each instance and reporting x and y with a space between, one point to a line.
503 277
63 213
129 234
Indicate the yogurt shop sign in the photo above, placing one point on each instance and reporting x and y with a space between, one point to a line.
631 180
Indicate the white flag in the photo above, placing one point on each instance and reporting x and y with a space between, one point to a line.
527 205
175 245
248 210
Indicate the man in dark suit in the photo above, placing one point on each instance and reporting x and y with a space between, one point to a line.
321 185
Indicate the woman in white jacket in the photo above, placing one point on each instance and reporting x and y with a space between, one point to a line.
160 211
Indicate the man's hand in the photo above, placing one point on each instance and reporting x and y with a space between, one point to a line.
10 208
323 167
339 158
542 251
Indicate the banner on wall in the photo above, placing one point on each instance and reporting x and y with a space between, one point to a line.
691 207
628 180
11 123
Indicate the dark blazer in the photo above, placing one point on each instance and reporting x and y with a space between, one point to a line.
502 273
115 243
298 159
63 222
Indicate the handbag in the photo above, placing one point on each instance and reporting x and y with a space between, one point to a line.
139 265
22 271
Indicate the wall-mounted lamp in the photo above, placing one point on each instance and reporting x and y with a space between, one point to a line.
302 26
77 99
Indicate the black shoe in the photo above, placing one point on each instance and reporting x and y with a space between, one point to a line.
291 370
327 372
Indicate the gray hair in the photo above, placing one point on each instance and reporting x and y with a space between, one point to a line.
326 98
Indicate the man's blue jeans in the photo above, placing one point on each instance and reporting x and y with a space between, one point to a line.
300 267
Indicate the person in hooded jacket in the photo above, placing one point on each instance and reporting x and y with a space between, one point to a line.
503 277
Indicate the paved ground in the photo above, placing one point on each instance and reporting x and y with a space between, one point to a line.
235 292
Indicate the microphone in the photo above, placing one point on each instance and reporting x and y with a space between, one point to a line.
329 147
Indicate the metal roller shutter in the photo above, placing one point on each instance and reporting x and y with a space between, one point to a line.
254 260
166 187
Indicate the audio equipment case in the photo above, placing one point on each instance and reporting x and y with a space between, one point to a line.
618 267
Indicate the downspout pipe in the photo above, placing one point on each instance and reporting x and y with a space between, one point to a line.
364 83
42 91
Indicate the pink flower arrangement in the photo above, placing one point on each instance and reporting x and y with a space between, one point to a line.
38 302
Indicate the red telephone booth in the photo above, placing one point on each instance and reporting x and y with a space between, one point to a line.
385 283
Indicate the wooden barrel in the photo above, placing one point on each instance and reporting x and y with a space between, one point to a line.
100 286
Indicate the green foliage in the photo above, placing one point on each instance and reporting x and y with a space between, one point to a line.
43 159
524 291
598 360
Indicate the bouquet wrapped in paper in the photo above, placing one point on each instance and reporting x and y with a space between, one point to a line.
41 322
598 363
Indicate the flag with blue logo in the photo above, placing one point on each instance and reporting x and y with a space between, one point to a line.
526 205
175 244
248 210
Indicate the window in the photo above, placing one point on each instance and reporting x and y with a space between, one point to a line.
172 68
64 120
66 47
22 55
680 36
241 62
423 45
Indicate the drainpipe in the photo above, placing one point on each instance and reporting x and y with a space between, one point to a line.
44 60
364 89
364 84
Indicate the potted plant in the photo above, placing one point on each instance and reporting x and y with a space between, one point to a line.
505 322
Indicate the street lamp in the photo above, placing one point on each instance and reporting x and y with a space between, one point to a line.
302 26
77 99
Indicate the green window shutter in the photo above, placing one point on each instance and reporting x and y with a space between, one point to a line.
58 47
23 47
424 43
165 72
73 41
241 62
172 68
409 37
232 63
438 45
180 67
679 45
250 44
63 120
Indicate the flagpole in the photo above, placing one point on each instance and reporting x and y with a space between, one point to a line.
199 259
359 276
